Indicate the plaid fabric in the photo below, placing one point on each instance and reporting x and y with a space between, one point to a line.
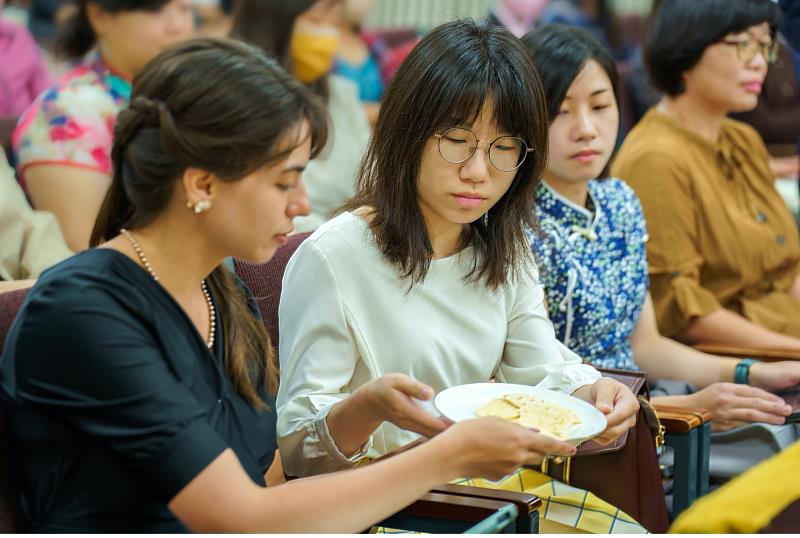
565 504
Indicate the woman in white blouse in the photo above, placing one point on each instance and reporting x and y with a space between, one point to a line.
428 272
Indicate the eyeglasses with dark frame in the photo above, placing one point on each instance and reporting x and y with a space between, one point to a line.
746 50
458 144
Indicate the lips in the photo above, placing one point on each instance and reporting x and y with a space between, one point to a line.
468 199
586 156
753 87
283 237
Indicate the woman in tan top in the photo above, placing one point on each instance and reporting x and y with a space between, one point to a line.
723 248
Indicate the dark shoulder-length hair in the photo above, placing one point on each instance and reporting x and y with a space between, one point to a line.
446 80
560 52
223 107
681 30
77 37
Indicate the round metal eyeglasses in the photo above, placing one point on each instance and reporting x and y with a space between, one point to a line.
458 144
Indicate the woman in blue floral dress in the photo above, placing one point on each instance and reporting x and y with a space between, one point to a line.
591 246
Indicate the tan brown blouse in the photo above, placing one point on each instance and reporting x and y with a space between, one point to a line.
720 234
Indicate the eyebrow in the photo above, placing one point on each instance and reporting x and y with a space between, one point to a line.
294 168
593 94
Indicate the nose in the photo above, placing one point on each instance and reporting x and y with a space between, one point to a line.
299 204
585 128
759 61
476 169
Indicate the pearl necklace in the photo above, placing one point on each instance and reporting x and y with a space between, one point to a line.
211 312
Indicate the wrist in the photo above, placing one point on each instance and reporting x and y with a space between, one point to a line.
448 454
584 392
741 374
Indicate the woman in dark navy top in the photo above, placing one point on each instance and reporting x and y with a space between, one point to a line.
137 380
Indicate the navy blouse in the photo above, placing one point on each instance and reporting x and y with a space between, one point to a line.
114 403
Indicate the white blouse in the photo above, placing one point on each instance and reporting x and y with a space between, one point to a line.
347 317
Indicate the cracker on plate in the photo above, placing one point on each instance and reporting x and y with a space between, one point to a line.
532 412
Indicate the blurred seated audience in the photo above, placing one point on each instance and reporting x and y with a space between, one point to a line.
23 75
304 36
777 116
153 411
30 241
723 248
354 59
63 141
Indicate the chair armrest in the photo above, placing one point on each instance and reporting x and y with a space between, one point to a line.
525 503
681 419
766 355
444 507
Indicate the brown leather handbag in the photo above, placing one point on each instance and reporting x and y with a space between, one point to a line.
625 473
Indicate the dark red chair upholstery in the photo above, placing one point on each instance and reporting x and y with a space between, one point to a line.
11 518
9 305
265 282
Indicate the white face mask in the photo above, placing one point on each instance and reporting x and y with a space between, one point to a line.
355 11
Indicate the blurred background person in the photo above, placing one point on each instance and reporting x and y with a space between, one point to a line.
63 141
517 16
30 241
23 74
354 59
213 18
303 35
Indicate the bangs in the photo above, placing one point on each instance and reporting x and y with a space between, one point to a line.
741 15
456 97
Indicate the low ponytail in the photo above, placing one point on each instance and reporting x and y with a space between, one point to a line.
77 36
118 209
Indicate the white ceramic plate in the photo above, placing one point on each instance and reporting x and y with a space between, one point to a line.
460 403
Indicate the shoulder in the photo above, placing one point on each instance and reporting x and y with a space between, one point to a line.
615 193
744 135
96 278
344 240
638 149
72 104
622 206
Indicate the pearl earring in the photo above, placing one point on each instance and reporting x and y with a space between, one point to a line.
200 207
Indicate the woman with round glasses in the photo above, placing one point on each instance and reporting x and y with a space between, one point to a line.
723 249
427 271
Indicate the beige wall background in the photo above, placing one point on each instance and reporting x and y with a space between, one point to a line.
425 14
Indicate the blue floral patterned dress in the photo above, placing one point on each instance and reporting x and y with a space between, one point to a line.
593 265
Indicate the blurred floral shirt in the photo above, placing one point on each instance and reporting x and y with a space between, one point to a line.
72 122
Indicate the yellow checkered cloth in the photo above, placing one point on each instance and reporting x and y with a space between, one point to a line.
565 504
561 503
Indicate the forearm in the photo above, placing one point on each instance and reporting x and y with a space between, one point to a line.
663 358
351 422
726 327
343 502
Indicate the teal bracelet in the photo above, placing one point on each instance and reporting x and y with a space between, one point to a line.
742 373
